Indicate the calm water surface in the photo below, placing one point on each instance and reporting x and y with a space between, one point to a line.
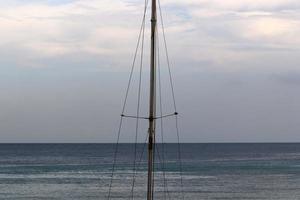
210 171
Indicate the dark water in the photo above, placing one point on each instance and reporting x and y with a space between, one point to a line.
210 171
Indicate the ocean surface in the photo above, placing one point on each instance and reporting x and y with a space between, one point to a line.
209 171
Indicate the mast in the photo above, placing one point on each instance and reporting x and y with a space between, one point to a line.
152 106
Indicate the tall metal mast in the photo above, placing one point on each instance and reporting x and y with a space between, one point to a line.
152 104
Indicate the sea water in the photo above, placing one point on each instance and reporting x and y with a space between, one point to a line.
207 171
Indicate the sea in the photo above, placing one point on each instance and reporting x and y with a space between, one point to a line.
182 171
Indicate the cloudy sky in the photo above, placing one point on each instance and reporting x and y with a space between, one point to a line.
65 64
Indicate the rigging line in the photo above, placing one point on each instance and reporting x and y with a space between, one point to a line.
160 162
125 100
153 164
142 153
138 108
161 119
167 56
164 116
115 158
138 117
179 156
135 117
173 95
143 150
135 55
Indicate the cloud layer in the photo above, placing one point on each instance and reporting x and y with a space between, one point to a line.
231 29
236 62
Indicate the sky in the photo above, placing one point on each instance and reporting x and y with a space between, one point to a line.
64 68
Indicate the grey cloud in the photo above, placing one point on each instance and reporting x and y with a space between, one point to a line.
228 88
292 78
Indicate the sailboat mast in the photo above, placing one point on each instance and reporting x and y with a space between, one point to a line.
152 104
